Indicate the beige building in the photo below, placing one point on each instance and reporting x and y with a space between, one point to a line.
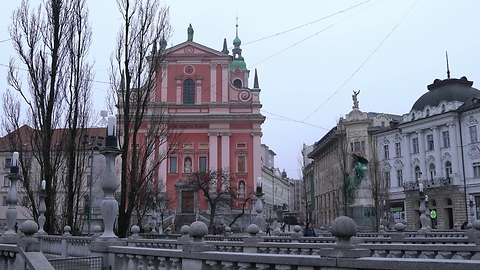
334 161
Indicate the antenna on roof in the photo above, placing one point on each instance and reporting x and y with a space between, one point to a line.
448 69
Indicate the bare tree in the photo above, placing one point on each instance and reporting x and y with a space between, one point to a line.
378 188
345 181
150 198
51 43
245 198
218 187
78 101
144 125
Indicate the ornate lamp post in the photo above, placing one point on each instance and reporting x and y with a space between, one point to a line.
91 141
12 197
422 209
259 220
42 209
109 182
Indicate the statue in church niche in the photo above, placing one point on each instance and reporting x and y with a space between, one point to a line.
190 33
188 165
355 99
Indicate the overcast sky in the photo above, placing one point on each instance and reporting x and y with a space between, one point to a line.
389 50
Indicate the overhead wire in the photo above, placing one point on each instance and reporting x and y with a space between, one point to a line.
260 39
277 34
306 24
366 60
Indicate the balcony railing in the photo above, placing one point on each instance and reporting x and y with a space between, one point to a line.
431 183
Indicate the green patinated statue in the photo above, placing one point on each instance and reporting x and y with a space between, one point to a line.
190 33
360 163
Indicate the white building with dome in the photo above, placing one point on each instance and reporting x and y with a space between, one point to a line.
435 144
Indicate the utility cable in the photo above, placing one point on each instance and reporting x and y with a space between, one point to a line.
368 58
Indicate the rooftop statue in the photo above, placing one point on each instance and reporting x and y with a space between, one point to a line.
355 100
190 33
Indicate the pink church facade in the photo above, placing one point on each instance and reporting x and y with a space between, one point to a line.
207 92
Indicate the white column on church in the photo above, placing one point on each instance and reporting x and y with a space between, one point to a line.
198 94
422 149
164 85
163 169
408 160
225 80
437 144
213 145
257 161
213 82
178 93
225 150
225 156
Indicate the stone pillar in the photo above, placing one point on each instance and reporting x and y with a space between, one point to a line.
344 228
437 144
225 158
408 161
213 150
422 149
213 84
454 153
225 79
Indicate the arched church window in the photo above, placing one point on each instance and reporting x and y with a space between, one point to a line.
188 91
237 83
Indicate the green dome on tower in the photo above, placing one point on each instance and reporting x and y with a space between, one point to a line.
238 61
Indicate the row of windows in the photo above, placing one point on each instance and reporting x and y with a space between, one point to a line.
202 164
430 144
445 140
431 171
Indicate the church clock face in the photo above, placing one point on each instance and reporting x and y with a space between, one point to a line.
189 70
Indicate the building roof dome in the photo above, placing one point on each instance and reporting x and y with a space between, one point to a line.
450 89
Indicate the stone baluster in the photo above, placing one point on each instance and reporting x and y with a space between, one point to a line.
12 198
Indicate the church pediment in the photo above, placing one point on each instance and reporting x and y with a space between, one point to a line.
191 49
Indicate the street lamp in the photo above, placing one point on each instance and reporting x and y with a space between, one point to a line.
94 142
422 209
259 204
